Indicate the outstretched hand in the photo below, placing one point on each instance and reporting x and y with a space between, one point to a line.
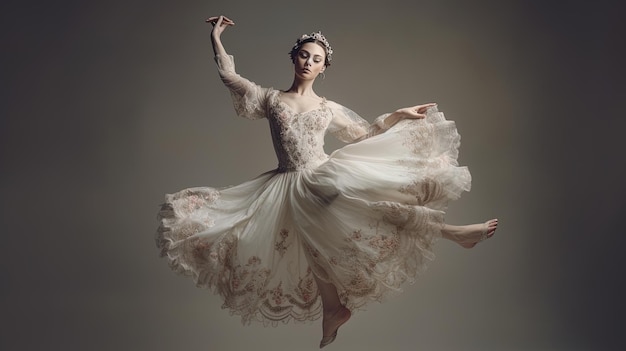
415 112
219 24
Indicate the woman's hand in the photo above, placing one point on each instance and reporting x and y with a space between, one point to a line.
415 112
219 24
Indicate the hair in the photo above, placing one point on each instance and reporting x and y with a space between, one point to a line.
294 51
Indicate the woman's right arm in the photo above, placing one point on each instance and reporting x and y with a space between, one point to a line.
248 98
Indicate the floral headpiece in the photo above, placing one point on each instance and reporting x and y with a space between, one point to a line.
316 36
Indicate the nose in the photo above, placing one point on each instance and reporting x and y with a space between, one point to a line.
309 61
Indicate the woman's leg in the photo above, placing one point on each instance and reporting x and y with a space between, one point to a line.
334 313
469 235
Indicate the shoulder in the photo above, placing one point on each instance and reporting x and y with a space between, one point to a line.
272 93
338 108
333 106
331 103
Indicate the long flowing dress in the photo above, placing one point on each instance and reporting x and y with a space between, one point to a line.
364 218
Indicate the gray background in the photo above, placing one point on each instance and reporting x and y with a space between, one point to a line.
107 105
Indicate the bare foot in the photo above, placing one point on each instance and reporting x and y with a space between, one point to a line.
470 235
331 323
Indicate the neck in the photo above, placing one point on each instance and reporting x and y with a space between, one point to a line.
302 87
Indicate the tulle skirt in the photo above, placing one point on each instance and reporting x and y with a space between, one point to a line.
365 220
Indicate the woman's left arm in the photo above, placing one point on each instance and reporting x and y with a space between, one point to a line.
349 127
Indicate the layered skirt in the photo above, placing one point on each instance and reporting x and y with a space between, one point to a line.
365 220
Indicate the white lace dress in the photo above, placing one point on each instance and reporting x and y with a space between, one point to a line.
364 218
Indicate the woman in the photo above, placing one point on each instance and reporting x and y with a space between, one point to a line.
319 235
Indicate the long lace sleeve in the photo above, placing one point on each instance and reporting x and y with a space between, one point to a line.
349 127
249 99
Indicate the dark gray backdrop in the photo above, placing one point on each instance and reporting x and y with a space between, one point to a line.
107 105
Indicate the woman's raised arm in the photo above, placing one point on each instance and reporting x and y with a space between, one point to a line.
249 99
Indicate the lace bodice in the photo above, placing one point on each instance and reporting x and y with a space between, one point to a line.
298 138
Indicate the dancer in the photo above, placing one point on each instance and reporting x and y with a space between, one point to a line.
319 235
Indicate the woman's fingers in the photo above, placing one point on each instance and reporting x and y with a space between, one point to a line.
219 20
424 107
212 20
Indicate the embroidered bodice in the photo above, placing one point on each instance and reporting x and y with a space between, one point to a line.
298 138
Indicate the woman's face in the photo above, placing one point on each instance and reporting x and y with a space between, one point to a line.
310 61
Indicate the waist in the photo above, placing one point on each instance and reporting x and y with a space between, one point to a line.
291 166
